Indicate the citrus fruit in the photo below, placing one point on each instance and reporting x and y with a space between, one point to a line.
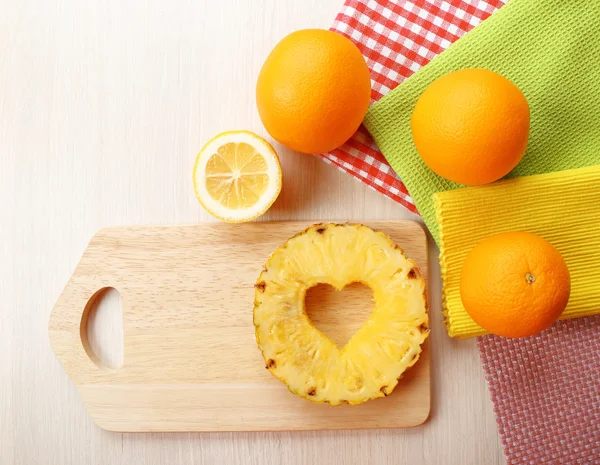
514 284
237 176
471 126
313 90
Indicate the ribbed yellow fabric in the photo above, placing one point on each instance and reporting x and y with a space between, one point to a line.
562 207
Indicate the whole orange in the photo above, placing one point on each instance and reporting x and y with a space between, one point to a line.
471 126
313 90
514 284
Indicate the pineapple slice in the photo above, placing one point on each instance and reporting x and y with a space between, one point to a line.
375 358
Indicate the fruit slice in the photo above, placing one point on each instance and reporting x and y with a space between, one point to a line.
375 358
237 176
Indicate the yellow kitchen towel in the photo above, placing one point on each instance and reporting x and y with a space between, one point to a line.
563 207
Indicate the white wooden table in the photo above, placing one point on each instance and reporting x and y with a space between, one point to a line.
103 107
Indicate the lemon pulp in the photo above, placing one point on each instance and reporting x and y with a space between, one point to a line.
237 176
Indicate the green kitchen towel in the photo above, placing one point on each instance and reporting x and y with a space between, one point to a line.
551 50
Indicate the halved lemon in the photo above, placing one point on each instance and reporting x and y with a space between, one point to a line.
237 176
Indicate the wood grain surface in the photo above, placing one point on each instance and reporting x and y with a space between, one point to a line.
191 361
103 108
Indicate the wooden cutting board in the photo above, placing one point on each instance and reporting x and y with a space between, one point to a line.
191 362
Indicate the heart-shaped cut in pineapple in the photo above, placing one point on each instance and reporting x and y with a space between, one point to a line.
375 358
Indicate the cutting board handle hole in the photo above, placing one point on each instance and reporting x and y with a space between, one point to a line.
102 329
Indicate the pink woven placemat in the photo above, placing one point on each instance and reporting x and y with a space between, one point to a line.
545 389
546 393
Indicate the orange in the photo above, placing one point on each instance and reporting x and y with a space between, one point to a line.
471 126
514 284
313 90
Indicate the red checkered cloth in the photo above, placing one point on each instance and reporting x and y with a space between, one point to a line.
397 38
546 388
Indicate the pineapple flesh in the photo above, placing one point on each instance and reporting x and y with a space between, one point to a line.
374 359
